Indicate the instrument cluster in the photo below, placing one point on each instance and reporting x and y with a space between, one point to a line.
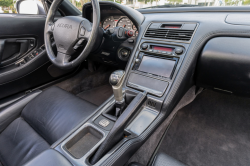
119 21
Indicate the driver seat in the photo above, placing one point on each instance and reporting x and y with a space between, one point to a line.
32 124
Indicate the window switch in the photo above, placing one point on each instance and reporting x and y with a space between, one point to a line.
32 43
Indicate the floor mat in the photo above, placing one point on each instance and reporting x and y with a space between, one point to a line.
212 130
97 95
86 80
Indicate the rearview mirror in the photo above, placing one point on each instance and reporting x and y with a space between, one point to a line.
29 7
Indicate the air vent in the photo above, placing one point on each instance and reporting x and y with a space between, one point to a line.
171 34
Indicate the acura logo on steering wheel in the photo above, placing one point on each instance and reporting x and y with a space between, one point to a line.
61 25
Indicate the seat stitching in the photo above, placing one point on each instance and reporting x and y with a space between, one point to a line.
16 129
36 131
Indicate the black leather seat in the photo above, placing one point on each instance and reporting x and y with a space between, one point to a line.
32 124
161 159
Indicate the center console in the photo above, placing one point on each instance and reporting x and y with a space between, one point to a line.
154 66
145 83
136 106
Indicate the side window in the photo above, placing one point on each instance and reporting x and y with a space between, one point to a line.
79 3
22 7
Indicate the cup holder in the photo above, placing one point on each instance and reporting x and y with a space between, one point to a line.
84 141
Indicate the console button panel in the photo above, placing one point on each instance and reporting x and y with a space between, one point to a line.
162 49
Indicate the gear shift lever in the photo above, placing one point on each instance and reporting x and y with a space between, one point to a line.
116 80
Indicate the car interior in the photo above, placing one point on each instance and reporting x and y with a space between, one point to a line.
112 85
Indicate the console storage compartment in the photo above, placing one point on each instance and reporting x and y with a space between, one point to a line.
84 141
151 85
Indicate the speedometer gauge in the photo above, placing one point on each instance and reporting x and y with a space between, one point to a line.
108 23
125 22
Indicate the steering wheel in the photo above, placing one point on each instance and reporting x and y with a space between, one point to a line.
70 33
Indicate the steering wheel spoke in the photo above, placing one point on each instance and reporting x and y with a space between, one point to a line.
62 58
79 43
50 28
85 30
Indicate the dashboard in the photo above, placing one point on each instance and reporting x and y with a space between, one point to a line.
165 36
119 21
112 52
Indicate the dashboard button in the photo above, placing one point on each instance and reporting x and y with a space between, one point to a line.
82 31
137 60
131 40
80 41
120 32
168 53
178 50
144 46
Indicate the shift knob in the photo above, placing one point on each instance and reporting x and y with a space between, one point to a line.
116 80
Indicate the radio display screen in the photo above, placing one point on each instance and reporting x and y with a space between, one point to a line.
157 66
168 49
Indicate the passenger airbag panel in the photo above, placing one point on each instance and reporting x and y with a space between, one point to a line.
225 64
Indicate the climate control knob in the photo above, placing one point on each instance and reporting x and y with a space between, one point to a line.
123 54
178 50
137 60
144 46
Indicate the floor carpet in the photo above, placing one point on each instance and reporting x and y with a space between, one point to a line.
212 130
97 95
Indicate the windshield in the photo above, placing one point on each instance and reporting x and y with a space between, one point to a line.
137 4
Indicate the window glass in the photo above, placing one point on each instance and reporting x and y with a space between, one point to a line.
24 6
136 4
79 3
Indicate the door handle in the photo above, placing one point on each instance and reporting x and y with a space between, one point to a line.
2 42
25 45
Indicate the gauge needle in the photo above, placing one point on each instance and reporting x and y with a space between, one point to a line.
124 26
107 27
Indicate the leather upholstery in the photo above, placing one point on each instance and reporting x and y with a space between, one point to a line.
162 159
55 112
44 120
49 158
135 164
11 112
19 143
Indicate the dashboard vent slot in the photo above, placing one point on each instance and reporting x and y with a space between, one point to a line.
171 34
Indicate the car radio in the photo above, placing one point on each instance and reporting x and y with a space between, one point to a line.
154 67
162 49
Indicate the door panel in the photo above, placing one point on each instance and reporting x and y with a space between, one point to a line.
23 60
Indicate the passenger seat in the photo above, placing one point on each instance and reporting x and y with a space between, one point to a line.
161 159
